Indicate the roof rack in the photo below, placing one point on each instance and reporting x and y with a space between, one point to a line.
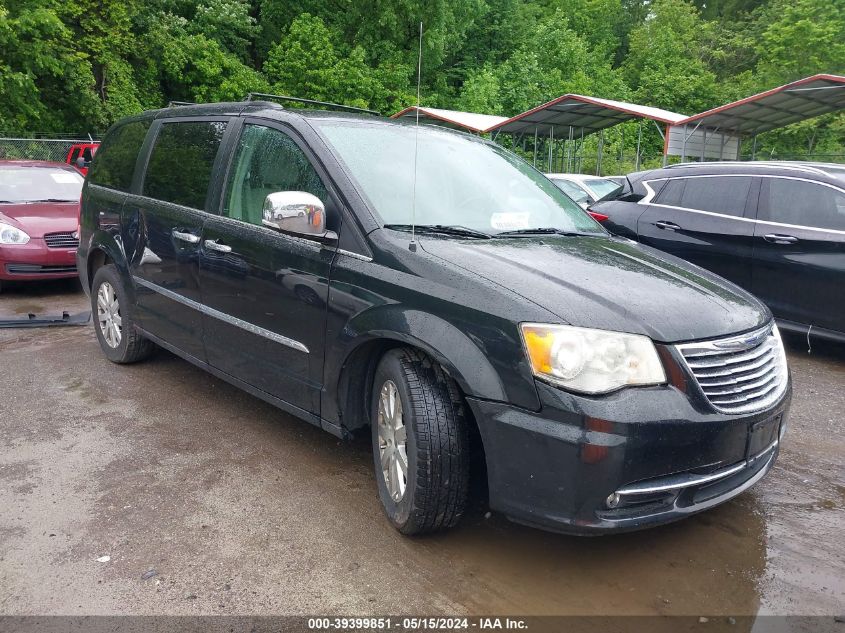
173 104
752 163
323 104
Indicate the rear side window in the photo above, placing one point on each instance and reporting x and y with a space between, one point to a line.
179 169
803 203
671 192
115 163
726 195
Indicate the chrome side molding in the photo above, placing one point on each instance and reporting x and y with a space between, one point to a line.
226 318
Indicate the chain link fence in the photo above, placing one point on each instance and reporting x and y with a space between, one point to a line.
54 149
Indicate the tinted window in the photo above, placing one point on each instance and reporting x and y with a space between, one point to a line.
671 192
725 195
115 163
805 204
179 169
719 195
267 161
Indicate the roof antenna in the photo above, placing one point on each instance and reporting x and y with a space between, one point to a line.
413 245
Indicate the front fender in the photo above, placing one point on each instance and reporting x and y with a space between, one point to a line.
457 353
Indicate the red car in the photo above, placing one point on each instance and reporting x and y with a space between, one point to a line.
39 215
80 156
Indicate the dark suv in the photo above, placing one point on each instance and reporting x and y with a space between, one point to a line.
356 272
776 229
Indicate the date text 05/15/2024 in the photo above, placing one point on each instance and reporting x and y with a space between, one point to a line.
415 623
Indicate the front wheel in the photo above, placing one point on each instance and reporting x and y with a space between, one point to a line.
420 443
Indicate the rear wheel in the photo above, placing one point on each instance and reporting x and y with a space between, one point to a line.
420 443
113 322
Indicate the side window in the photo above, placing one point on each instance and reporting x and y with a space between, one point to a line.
115 161
726 195
267 161
179 169
671 192
804 203
74 155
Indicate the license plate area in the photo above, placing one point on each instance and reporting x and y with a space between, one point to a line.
761 435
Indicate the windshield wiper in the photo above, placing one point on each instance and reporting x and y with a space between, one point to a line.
545 230
443 229
52 200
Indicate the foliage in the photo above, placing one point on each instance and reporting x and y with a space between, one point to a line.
78 66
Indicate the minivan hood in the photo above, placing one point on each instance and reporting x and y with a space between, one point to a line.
38 218
610 284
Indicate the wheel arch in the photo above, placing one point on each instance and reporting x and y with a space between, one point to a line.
104 250
458 355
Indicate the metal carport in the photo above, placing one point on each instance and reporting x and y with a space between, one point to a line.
572 117
469 121
718 133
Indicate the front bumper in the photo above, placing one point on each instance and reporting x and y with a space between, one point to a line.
665 455
34 260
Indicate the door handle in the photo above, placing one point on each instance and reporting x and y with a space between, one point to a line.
183 236
777 238
667 226
214 245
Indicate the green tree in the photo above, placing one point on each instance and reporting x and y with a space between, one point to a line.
45 84
667 64
228 23
801 38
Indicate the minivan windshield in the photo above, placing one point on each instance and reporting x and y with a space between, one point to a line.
19 183
460 181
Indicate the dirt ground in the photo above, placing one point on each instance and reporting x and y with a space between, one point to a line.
208 501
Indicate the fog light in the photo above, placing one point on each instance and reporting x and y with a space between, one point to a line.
613 500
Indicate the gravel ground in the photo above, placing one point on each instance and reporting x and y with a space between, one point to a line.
208 501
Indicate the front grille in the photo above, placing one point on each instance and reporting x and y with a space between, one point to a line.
67 239
740 374
35 269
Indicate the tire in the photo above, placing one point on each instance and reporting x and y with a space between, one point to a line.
436 443
128 346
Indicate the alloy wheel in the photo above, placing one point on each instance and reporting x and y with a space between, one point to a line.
108 315
392 441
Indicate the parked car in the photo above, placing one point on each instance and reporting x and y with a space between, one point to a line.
39 213
584 189
776 229
80 155
454 303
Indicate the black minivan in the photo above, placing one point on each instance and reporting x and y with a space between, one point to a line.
360 272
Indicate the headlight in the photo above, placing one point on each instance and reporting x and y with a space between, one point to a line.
591 361
12 235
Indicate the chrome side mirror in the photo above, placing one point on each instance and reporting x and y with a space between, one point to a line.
295 212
